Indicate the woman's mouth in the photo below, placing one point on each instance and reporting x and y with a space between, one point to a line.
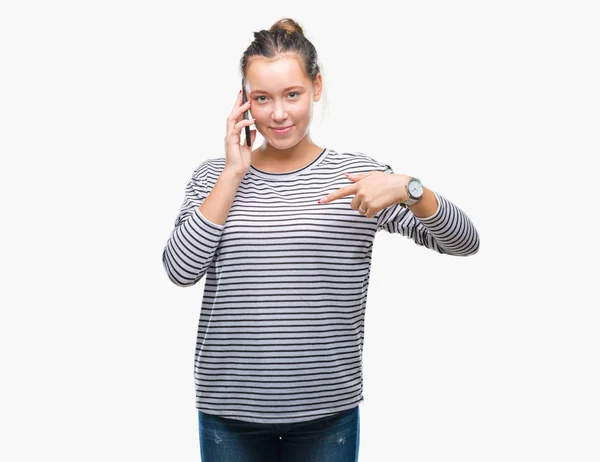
282 130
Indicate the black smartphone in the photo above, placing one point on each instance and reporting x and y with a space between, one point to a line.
246 114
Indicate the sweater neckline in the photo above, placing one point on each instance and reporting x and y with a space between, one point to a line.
294 173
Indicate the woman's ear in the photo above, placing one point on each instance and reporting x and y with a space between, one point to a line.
318 87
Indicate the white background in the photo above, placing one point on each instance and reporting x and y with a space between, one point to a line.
107 108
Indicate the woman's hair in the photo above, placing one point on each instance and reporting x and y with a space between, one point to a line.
285 36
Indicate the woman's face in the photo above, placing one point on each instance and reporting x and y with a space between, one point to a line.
282 97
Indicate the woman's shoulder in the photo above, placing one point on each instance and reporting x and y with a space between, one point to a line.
209 168
358 160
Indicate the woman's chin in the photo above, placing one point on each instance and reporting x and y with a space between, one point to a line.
283 144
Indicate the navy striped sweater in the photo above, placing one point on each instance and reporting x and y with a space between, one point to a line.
280 333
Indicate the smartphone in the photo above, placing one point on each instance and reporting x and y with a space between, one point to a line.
246 114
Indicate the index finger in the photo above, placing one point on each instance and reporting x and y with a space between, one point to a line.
342 192
238 113
238 101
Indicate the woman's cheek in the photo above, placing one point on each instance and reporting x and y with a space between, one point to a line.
258 115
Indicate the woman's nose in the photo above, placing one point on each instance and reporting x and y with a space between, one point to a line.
279 112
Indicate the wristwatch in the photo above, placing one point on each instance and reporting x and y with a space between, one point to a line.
414 188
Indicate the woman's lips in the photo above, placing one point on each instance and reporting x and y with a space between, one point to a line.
280 131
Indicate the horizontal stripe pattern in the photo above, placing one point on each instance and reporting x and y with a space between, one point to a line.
281 326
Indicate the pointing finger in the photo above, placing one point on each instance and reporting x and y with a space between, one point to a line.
342 192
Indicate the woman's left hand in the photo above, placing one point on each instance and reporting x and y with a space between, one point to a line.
373 191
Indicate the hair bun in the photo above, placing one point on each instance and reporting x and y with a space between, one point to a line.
288 25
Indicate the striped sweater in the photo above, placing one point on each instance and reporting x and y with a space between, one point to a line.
280 334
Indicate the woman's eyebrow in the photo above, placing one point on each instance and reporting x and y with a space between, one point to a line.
286 89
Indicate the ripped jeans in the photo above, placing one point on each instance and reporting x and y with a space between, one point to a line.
329 439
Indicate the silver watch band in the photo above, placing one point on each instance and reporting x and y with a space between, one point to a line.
410 201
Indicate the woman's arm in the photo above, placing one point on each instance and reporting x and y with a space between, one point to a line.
198 228
448 230
427 205
217 204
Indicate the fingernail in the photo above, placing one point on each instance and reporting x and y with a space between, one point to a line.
323 200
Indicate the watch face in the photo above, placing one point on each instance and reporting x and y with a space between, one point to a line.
415 188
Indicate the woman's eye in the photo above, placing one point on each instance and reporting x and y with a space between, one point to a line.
258 98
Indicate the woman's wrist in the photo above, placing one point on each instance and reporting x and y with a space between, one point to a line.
426 206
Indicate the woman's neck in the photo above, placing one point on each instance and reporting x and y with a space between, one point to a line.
270 159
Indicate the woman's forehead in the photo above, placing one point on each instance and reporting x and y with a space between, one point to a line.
274 74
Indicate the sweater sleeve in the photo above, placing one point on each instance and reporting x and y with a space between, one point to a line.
193 242
448 231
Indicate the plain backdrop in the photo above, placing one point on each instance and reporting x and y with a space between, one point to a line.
108 107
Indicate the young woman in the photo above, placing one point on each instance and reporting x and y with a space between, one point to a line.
284 235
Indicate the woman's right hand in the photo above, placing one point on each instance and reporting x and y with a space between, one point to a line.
238 156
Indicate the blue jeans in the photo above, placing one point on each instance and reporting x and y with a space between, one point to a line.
328 439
